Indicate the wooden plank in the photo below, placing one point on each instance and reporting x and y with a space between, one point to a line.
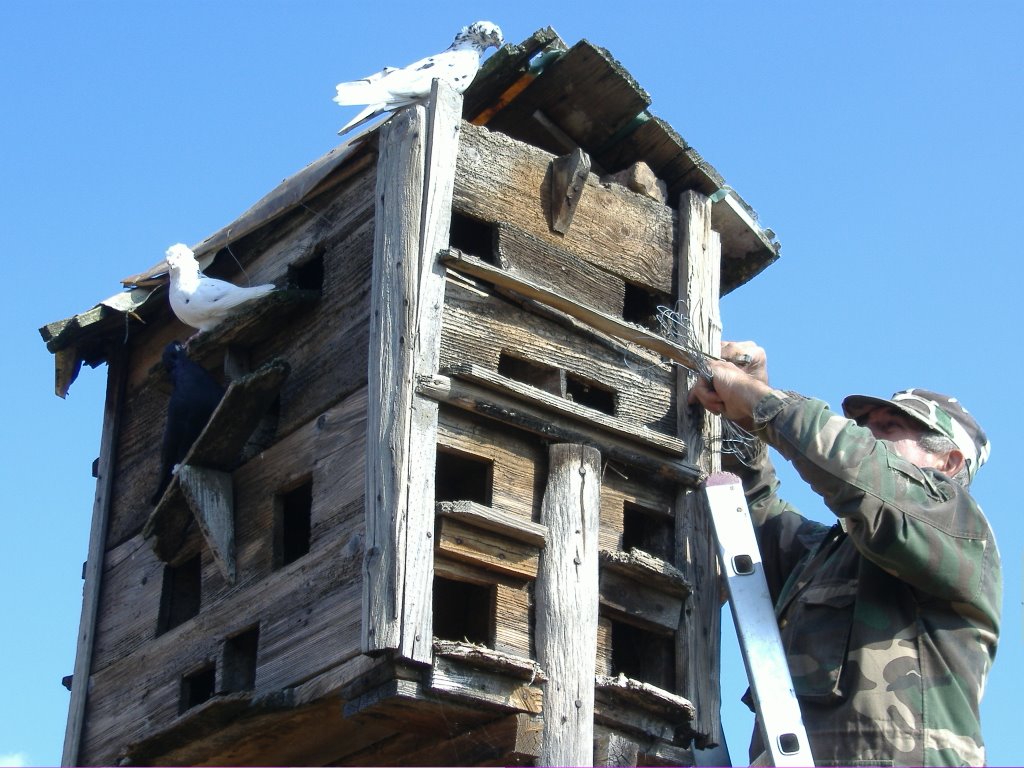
747 248
393 316
604 646
568 180
620 232
567 603
645 696
502 523
649 438
611 748
480 657
586 93
515 413
550 350
443 123
209 495
116 377
698 650
486 549
238 414
521 253
602 321
639 603
512 621
510 740
451 677
646 568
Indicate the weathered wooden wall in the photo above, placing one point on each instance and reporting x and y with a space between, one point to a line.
307 612
512 376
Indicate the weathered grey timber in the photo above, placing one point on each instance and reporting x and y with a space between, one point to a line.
567 603
698 646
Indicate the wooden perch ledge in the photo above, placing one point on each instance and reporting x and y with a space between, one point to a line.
202 485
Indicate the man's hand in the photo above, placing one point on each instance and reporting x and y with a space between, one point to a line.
733 391
748 356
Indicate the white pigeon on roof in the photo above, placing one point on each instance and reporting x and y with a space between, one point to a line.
392 88
200 301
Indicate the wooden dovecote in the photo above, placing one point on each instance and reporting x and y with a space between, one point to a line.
466 516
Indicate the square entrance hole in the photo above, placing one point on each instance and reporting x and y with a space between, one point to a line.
590 394
308 275
649 530
640 306
293 524
239 669
462 477
544 377
197 687
181 593
643 655
463 611
473 236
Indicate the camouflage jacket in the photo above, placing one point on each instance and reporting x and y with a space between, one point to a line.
889 618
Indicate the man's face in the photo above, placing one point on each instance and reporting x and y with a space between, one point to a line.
902 434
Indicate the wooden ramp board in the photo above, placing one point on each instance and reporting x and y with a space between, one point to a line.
215 450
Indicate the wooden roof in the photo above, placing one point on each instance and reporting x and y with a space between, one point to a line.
540 91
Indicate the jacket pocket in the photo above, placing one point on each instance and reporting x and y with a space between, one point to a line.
816 635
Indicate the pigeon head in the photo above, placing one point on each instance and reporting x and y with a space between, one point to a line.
173 353
481 35
179 255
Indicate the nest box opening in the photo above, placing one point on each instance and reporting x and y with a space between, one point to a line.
545 377
181 593
640 306
590 393
463 612
197 687
293 523
474 237
239 667
649 530
643 655
308 275
462 477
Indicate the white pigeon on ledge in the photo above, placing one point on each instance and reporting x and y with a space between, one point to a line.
392 88
200 301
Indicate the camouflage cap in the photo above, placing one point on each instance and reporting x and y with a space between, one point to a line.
940 413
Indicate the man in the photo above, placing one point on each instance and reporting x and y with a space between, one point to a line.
889 618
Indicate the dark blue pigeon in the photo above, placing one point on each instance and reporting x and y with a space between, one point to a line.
194 398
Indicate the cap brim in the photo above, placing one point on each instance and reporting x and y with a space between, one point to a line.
856 406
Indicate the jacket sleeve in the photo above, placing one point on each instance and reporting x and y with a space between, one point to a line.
784 536
915 523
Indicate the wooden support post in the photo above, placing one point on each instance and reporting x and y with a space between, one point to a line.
116 377
698 651
415 181
567 603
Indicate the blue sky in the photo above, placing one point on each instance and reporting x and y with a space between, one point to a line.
881 141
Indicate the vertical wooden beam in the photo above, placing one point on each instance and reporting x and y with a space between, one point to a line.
444 121
415 180
392 321
567 603
698 651
116 377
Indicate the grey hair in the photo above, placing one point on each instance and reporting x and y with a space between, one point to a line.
935 442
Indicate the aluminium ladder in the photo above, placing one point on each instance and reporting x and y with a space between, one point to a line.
778 711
